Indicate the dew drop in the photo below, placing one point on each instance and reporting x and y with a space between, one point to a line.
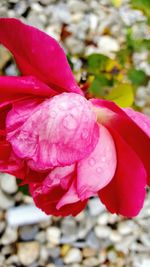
63 105
103 159
53 114
70 122
85 134
91 161
98 170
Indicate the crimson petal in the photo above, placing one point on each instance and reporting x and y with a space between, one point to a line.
37 54
125 193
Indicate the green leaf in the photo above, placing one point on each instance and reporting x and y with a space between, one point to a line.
69 58
123 56
24 189
99 85
116 3
122 95
137 77
96 63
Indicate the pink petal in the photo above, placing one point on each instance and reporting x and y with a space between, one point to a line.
63 175
96 171
37 54
11 87
125 194
21 110
140 119
113 117
60 132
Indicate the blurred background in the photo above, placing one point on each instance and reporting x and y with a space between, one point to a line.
107 43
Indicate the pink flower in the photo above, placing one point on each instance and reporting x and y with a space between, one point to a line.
67 148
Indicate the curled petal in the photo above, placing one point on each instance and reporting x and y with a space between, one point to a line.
69 197
126 192
140 119
54 199
65 131
96 171
37 54
21 110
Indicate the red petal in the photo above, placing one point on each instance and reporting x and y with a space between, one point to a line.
48 201
125 193
37 54
10 87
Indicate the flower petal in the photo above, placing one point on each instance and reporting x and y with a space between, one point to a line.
140 119
11 87
113 117
37 54
96 171
21 110
60 132
48 200
125 194
70 197
9 162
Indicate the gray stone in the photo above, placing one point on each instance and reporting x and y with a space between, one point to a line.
28 232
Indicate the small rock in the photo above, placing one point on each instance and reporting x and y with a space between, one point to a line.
2 259
10 236
126 227
102 231
95 206
2 227
41 237
11 70
54 252
5 201
64 250
8 183
108 44
103 219
91 262
115 236
28 252
92 241
53 235
89 252
13 259
28 232
44 254
74 255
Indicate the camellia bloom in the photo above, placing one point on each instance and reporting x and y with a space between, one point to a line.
65 147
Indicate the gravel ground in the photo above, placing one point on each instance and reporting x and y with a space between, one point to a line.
95 237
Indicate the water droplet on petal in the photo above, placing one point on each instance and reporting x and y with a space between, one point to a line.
98 170
103 159
70 122
91 161
85 134
63 105
53 114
